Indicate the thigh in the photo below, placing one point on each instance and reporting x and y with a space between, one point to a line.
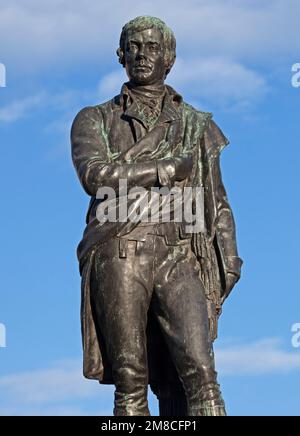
181 308
120 299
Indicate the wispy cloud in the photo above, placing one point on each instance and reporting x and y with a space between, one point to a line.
20 108
62 390
66 103
221 80
258 358
58 390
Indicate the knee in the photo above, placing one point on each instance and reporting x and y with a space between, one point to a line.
129 378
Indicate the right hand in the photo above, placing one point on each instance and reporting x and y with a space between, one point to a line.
183 167
147 146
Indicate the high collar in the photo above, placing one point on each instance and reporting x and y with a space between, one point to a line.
172 103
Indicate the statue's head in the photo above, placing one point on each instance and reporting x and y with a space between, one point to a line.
147 50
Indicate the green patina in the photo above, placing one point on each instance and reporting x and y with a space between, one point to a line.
147 22
111 155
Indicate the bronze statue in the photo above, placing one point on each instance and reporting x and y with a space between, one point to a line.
152 292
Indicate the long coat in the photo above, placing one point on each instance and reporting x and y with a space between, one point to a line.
100 136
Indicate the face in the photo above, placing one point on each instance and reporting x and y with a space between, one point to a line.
144 57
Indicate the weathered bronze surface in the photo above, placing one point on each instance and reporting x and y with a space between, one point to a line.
152 293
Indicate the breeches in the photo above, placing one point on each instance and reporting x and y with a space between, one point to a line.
123 285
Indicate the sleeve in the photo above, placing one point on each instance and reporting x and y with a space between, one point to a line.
225 224
93 161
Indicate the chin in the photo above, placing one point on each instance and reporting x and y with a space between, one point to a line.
141 80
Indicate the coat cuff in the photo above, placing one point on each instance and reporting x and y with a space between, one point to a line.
234 265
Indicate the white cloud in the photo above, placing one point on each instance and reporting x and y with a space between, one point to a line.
20 108
53 391
258 358
61 382
64 32
218 79
65 102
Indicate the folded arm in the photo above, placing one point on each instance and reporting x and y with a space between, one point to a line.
96 166
94 162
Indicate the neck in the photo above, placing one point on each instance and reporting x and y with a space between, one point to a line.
156 90
155 86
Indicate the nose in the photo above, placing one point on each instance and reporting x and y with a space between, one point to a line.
141 53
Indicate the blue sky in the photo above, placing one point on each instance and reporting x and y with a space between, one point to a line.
235 60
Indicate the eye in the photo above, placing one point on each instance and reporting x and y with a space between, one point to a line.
132 47
153 47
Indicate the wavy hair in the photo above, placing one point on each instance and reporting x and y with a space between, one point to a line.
139 24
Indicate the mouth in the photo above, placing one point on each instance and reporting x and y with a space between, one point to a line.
141 67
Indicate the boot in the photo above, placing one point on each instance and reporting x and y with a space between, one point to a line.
131 404
212 408
211 402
